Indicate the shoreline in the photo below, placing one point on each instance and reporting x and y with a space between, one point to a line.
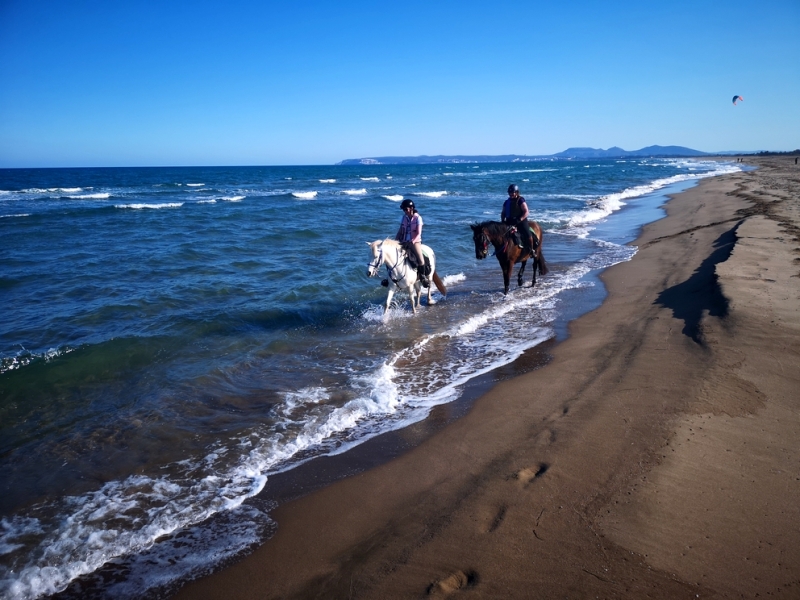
587 476
326 470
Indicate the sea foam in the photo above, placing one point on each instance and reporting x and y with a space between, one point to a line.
605 205
98 196
141 206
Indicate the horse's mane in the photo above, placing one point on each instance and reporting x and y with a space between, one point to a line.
388 242
494 227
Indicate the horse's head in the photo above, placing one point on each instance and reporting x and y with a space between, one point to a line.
481 240
376 248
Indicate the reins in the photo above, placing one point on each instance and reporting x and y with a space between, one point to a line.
485 240
390 270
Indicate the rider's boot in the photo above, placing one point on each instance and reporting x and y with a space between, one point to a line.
423 278
527 244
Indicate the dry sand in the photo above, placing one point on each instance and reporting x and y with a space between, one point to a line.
657 455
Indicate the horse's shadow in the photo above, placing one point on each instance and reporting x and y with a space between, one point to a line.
701 292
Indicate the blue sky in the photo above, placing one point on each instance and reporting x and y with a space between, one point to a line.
112 83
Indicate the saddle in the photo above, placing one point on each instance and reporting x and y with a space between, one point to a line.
423 272
412 259
514 234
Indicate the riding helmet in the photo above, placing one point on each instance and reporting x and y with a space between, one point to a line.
513 188
407 204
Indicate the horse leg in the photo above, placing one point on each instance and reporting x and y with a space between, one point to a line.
415 292
389 295
521 271
507 276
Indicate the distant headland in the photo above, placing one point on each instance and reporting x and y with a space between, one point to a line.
570 153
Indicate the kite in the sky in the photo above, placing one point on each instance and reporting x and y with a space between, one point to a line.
735 98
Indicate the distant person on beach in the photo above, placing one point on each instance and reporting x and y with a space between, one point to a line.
410 236
515 214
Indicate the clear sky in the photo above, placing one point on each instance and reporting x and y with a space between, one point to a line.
115 83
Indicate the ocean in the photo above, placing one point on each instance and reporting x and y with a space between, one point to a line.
173 338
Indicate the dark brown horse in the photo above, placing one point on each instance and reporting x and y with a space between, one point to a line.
507 252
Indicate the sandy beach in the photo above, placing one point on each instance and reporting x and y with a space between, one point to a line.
656 454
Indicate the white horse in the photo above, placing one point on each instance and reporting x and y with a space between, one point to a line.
402 275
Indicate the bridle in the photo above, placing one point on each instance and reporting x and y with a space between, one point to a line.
375 264
484 241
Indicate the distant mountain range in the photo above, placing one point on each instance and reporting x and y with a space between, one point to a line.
569 153
617 152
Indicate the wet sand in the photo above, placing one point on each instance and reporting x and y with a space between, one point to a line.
657 454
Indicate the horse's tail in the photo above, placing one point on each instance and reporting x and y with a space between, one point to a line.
543 270
439 284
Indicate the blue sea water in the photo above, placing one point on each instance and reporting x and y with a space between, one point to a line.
170 338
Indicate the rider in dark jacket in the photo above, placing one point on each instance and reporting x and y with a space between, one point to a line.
515 215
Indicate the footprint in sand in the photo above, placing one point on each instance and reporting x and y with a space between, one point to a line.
454 582
548 436
528 475
498 518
